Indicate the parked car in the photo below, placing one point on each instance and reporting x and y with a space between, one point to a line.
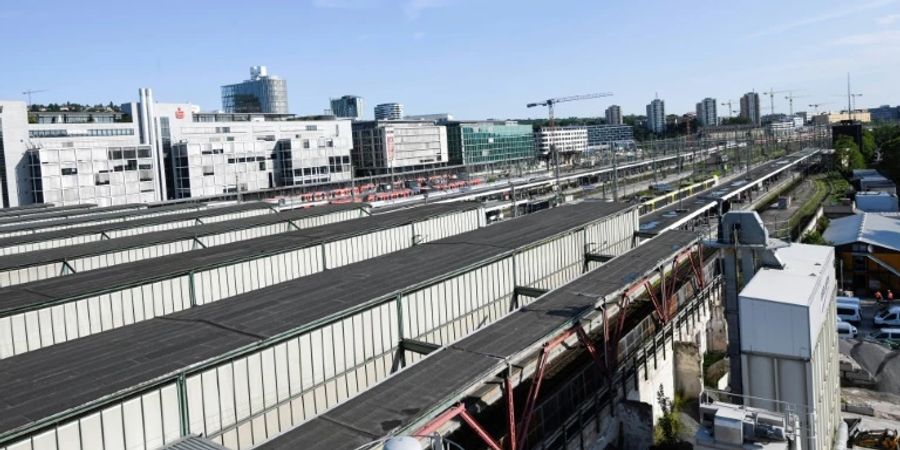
849 312
887 336
846 331
889 316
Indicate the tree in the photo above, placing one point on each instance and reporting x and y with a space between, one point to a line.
869 148
848 154
890 158
885 133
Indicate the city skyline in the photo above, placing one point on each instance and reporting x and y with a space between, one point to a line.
429 45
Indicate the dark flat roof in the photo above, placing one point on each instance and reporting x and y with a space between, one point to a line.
447 374
50 215
59 254
120 214
191 213
34 208
41 292
58 378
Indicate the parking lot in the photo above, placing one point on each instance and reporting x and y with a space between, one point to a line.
868 309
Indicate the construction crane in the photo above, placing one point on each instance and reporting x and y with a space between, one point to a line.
771 95
815 107
552 126
32 91
730 110
790 98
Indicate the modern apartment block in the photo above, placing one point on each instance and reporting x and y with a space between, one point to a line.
604 136
68 161
567 140
614 115
389 111
262 93
750 108
706 112
656 116
384 147
347 107
481 145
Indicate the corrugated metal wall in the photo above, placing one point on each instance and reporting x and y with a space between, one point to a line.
28 274
249 398
29 331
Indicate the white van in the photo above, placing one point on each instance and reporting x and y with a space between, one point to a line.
849 313
848 300
846 331
886 334
889 316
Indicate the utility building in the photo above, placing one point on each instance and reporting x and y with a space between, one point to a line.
788 341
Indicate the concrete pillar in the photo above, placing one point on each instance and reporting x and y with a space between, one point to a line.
688 376
635 425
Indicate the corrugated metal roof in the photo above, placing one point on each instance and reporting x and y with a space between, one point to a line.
868 228
193 443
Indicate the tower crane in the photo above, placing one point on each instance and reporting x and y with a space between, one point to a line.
28 93
771 95
549 103
730 110
790 98
815 107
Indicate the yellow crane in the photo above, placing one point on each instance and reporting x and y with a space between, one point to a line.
549 103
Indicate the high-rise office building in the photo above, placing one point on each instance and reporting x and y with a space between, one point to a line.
347 107
262 93
614 115
656 116
706 112
750 107
389 111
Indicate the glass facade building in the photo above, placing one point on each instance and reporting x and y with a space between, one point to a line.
260 94
490 143
348 107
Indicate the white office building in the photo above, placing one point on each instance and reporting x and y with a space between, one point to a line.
656 116
212 155
789 344
395 146
68 162
565 139
706 112
389 111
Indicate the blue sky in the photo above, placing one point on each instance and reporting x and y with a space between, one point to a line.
471 58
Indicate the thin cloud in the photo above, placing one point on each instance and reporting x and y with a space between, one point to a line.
889 19
414 8
837 14
876 38
419 35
